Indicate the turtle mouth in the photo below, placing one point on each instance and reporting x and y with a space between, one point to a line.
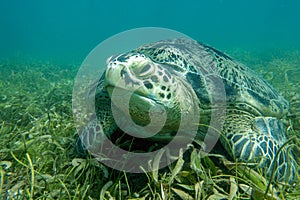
133 105
120 95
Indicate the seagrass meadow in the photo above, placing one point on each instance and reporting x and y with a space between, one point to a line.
37 142
44 43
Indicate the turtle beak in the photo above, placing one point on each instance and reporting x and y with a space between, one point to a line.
114 73
108 60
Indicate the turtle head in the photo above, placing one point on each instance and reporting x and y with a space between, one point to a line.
138 74
150 85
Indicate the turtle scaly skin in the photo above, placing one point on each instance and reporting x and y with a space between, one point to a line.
182 70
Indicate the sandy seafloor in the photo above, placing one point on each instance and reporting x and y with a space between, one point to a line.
37 137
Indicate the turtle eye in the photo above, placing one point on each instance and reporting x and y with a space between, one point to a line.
146 70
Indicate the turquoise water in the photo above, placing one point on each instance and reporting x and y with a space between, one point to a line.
43 43
69 30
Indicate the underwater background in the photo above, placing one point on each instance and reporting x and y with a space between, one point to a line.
69 30
42 45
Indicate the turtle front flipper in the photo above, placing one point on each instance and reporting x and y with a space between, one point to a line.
99 127
252 139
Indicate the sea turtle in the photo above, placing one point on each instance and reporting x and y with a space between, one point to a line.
174 70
